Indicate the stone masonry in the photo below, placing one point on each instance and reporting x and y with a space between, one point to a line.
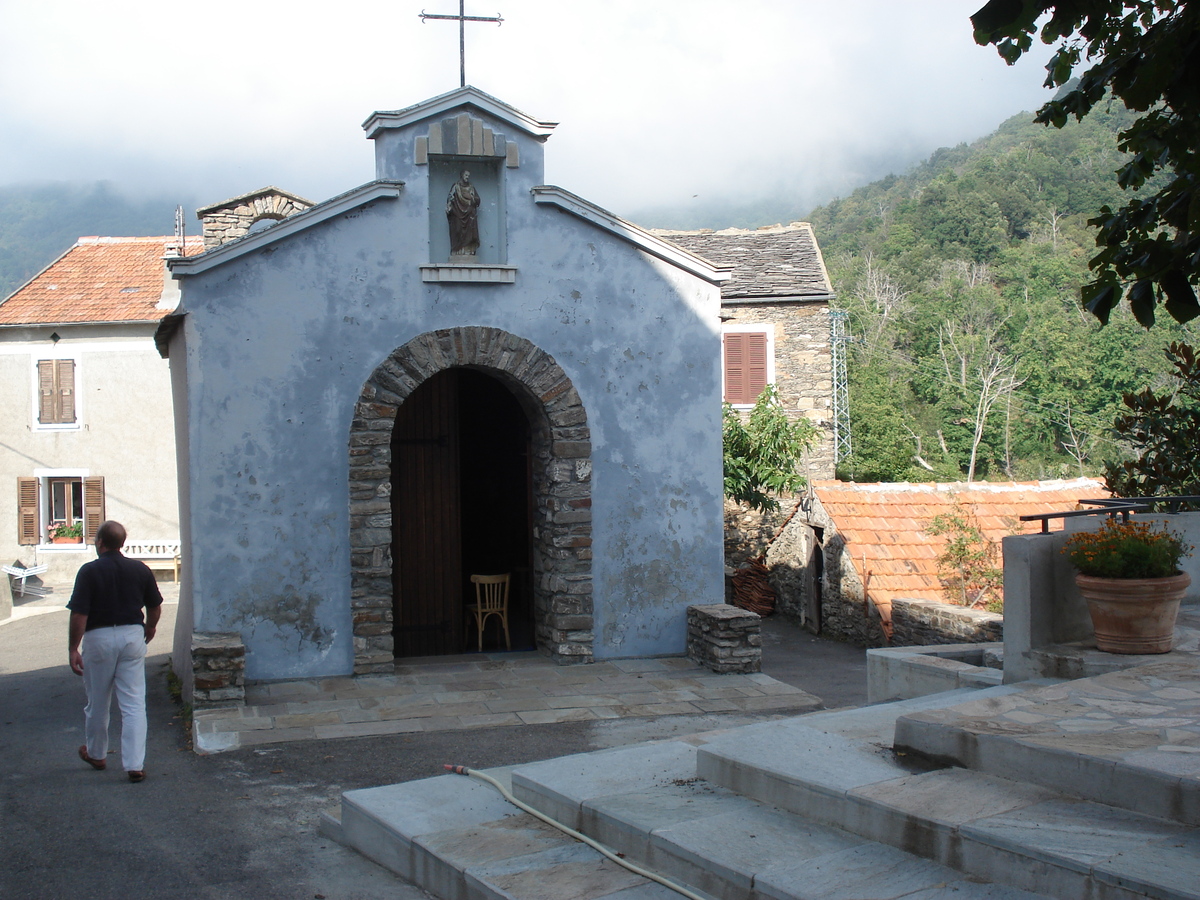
920 623
231 219
724 638
562 487
803 367
218 670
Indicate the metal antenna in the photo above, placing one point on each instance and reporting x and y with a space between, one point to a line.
839 336
180 237
462 18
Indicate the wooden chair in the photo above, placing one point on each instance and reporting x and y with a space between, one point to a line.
491 599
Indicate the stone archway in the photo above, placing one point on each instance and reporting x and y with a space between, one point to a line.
562 489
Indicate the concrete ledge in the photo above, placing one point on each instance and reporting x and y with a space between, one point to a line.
901 673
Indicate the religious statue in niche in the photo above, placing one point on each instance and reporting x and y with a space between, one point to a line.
462 212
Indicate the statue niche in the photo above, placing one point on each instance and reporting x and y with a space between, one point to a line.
462 216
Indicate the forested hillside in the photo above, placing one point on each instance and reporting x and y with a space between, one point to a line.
39 222
972 356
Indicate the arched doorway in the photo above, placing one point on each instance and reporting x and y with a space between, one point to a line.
558 461
461 504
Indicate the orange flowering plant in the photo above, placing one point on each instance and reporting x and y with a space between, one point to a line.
1127 550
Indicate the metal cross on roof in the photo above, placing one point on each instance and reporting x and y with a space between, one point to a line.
462 19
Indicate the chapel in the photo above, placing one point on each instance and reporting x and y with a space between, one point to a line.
454 369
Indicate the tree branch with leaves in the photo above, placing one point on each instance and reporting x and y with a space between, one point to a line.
1146 54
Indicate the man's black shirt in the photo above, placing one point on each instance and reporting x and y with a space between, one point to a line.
113 589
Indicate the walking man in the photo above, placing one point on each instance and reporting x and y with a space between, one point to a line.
108 641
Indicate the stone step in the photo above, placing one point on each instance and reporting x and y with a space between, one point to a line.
450 836
1129 739
815 806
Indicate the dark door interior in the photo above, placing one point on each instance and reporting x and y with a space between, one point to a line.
460 506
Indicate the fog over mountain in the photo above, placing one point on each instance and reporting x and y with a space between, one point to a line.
665 108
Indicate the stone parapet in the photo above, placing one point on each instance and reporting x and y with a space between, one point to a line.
920 623
724 638
218 670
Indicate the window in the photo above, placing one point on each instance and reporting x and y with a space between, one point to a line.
748 353
58 497
56 391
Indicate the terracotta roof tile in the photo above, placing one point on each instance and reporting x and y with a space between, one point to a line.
884 525
100 279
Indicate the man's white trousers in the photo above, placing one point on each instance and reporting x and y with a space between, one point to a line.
114 661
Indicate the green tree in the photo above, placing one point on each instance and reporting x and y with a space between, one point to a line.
762 452
967 565
1146 53
1163 428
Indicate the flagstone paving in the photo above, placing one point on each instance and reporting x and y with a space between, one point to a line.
486 691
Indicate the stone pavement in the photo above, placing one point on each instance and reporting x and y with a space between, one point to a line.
486 691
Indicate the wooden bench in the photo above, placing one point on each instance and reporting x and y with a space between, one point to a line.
156 554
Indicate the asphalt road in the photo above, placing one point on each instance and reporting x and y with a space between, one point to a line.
244 823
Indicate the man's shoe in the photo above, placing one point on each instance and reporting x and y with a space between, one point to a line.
97 764
137 775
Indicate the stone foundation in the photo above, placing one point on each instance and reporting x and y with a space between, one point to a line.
920 623
218 670
724 638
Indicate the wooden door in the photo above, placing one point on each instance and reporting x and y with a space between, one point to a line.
426 521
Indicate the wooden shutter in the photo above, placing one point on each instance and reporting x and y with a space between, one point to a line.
56 391
93 507
27 512
745 366
65 372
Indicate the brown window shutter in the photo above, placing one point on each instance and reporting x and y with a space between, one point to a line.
93 507
756 364
66 390
27 512
745 366
56 391
47 394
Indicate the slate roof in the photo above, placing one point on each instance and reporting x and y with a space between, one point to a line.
884 525
779 261
100 279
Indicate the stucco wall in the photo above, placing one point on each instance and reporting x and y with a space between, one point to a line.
125 433
280 342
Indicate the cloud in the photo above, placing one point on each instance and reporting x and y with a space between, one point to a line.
657 102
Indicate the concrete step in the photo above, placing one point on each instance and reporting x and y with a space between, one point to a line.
1129 739
811 807
447 837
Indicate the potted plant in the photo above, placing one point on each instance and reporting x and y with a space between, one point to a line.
67 534
1129 575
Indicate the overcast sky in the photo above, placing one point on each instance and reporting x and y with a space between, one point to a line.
660 102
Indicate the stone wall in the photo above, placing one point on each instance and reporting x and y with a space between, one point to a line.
724 638
803 366
232 219
922 623
218 670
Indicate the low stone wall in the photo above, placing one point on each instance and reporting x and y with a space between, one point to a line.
724 638
218 670
921 623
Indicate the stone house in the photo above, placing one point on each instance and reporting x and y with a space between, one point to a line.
775 325
366 415
858 562
85 415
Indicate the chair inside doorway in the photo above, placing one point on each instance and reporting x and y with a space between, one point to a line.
461 505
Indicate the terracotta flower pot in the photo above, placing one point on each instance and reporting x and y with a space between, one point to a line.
66 540
1134 615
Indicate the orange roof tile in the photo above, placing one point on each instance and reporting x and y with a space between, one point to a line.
100 279
884 525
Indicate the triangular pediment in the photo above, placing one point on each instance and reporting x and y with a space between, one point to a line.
465 98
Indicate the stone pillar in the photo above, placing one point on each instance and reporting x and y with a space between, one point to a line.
218 670
724 638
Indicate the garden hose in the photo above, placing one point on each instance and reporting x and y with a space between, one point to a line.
571 832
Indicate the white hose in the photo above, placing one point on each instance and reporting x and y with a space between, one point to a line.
571 832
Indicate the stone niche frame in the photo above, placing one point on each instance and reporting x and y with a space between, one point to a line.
562 487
